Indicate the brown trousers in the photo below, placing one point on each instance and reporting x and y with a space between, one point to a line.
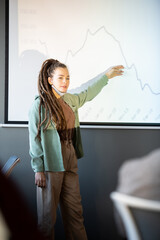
62 188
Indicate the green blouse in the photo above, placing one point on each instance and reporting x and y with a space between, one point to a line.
46 154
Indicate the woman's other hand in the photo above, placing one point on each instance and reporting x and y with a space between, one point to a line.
40 179
115 71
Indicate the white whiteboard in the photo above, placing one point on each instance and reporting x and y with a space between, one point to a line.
89 36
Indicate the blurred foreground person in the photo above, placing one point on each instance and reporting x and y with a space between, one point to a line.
16 218
139 177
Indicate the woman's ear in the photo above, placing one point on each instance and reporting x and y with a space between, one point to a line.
50 80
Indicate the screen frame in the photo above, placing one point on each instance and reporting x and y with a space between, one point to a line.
83 124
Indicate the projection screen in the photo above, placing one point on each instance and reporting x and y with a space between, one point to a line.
89 37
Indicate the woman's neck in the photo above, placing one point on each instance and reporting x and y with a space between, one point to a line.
57 93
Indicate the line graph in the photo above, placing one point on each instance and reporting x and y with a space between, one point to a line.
131 98
89 33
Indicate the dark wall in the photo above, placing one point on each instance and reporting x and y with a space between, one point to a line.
105 150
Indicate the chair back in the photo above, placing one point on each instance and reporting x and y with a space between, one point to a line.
9 165
141 217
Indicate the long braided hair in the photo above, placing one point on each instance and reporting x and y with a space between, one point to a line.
53 109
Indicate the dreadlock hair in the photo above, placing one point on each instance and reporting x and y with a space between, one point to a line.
53 109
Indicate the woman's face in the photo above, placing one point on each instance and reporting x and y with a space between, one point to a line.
60 79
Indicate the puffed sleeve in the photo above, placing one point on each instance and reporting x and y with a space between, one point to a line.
91 92
36 151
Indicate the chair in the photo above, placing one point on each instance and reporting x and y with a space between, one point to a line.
9 165
141 217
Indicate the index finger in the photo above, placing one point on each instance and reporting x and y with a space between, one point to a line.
119 67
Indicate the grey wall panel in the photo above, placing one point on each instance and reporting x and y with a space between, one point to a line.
105 150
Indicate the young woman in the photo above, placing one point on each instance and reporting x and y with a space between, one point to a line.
55 145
